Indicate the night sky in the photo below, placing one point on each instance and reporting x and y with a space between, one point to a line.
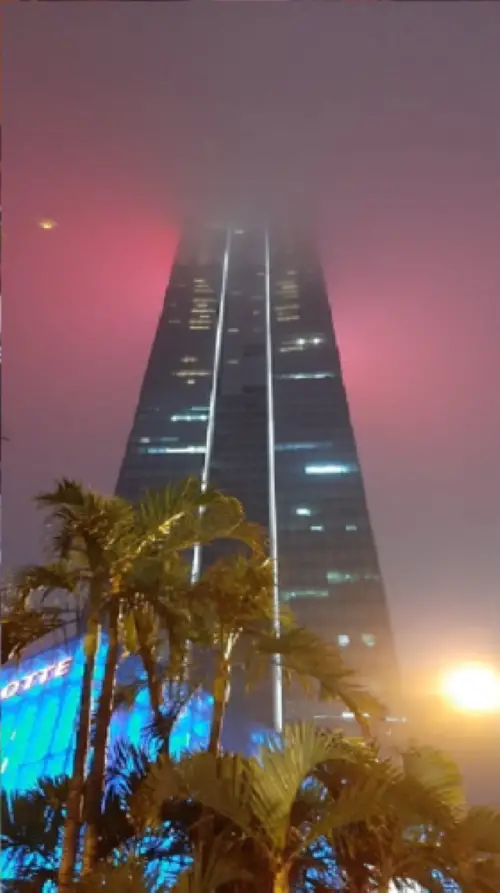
382 123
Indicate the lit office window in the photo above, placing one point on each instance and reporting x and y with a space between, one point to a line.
368 639
327 468
351 527
192 373
343 640
292 447
317 528
341 577
289 594
189 417
303 511
183 449
305 376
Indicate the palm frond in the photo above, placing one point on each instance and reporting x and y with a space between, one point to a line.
308 659
436 773
22 625
223 867
481 828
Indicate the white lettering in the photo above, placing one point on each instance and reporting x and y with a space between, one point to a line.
39 677
44 674
27 681
10 690
62 668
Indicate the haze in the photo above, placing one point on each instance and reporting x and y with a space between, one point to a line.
380 124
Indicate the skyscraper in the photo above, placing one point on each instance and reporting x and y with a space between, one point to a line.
244 389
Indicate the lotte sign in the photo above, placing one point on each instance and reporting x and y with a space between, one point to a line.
39 677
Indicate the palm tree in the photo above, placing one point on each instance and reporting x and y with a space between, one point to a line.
163 527
272 800
420 799
234 598
88 539
21 626
31 831
100 547
318 668
472 850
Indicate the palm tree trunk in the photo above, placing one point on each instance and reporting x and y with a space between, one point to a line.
95 783
281 882
220 696
155 688
75 794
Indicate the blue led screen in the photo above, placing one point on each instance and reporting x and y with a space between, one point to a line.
40 700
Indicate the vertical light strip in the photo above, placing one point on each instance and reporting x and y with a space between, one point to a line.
273 523
195 568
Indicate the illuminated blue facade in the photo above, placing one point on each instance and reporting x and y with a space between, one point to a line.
40 710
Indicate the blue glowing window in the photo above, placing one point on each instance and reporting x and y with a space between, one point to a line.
328 468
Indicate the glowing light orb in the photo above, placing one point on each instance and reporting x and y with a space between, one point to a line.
47 224
474 687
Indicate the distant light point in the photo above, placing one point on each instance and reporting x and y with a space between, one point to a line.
46 223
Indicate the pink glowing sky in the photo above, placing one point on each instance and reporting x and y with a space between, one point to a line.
384 122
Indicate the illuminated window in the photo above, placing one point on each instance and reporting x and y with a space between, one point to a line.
291 447
189 360
158 439
316 528
351 527
327 469
343 640
368 639
184 449
340 577
304 376
300 344
303 511
233 362
190 381
289 594
199 373
188 417
233 331
174 321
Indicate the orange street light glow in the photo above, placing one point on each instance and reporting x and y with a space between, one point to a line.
473 687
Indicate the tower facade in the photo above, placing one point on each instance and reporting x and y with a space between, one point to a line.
244 389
